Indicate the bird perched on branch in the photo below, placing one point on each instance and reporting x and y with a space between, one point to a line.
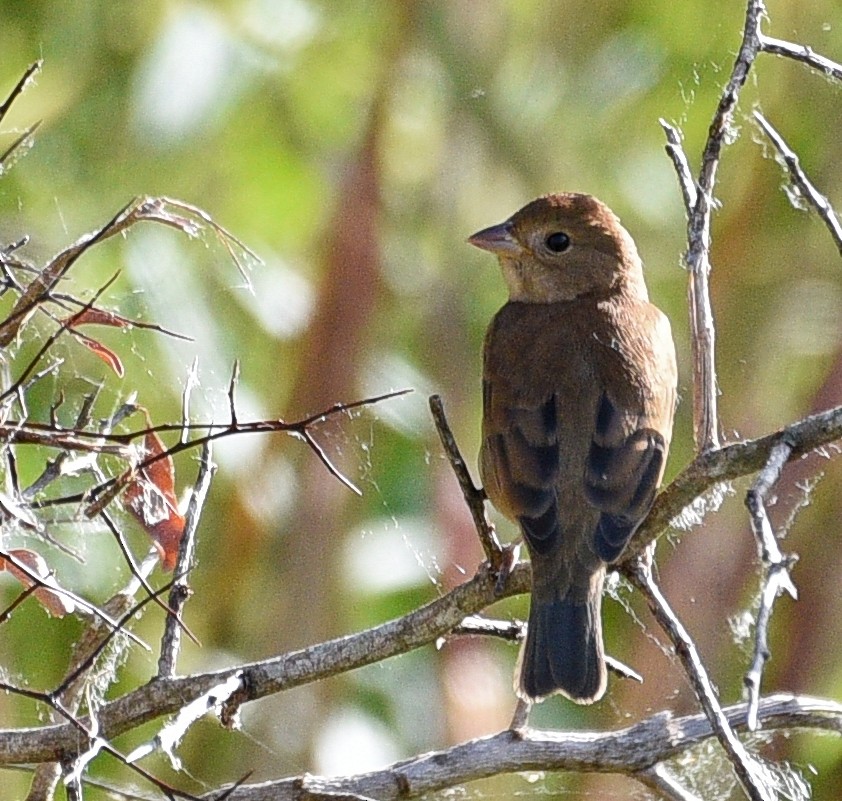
579 382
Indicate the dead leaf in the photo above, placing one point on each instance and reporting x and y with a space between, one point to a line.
56 602
104 353
150 497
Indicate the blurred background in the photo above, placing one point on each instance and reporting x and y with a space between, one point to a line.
354 146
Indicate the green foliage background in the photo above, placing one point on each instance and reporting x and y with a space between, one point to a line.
354 145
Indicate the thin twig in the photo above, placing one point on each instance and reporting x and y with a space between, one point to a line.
102 494
64 325
78 602
38 290
659 779
675 150
120 628
314 446
66 699
181 590
801 53
697 257
72 766
142 209
805 187
515 631
31 71
749 771
18 147
232 389
35 433
7 612
474 496
223 235
137 571
776 567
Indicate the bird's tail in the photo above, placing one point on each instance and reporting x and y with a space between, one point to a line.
563 651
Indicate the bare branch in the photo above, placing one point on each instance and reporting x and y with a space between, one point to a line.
80 604
809 192
231 243
122 602
675 150
180 590
728 462
18 147
629 751
138 572
749 771
7 612
39 289
31 71
65 325
232 389
474 496
802 53
314 446
658 778
776 569
101 495
164 696
697 257
150 209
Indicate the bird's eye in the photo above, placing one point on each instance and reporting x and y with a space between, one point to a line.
557 242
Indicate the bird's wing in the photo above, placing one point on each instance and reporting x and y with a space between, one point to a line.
622 474
632 430
520 464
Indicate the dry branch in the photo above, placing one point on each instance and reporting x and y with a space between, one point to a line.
776 567
750 772
474 497
640 751
799 178
803 53
728 462
165 696
180 592
629 751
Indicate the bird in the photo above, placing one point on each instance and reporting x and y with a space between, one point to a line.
578 397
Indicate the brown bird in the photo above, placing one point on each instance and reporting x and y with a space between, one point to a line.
579 383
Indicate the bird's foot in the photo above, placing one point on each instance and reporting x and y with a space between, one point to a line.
520 719
509 555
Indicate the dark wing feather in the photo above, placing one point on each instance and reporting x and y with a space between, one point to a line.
621 476
525 458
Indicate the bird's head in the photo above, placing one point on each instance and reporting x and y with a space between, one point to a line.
561 247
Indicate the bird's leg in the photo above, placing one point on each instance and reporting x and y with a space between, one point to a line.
520 719
509 554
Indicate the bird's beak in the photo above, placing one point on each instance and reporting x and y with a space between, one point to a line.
497 239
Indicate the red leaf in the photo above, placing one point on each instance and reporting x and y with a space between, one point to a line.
104 353
92 316
150 497
48 593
